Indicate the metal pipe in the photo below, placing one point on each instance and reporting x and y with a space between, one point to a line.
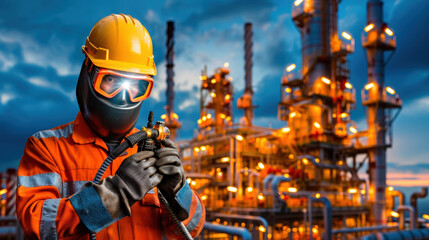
364 229
322 165
327 216
275 187
235 231
267 181
248 64
258 219
401 197
413 200
400 209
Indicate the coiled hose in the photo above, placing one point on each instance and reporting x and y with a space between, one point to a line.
130 141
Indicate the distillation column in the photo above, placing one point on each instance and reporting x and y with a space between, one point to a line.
376 118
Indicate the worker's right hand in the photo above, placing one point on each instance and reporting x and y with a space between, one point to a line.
134 178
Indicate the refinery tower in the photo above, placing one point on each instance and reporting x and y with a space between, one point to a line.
301 181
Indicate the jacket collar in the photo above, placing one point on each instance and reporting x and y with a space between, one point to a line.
83 134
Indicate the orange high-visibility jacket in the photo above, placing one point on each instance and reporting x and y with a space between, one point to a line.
58 162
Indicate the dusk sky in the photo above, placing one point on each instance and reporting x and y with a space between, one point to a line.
40 59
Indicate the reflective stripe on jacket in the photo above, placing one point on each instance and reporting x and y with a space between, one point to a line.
57 163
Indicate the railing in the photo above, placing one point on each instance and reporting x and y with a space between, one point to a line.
373 38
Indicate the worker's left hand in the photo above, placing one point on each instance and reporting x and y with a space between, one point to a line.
169 165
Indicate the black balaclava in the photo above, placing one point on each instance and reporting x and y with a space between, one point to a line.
110 118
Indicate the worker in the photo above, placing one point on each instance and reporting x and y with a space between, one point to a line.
56 198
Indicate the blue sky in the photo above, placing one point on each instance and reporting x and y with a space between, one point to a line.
40 59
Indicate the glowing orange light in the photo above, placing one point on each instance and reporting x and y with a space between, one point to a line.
163 116
390 189
317 160
353 130
349 85
223 116
369 27
297 2
344 115
394 214
286 129
426 216
249 189
388 31
224 159
204 118
352 190
346 36
175 116
288 90
390 90
305 161
290 67
326 80
261 197
196 149
369 86
291 156
213 94
262 229
231 189
239 137
292 190
227 97
317 195
292 114
204 197
261 165
203 148
209 116
3 191
317 125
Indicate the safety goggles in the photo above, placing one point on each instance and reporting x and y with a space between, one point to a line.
109 83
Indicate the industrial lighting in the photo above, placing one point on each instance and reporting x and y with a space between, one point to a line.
291 156
213 81
226 64
288 90
353 130
292 189
348 85
225 223
305 161
204 197
199 121
352 190
286 129
203 148
346 36
394 214
344 115
425 216
231 189
224 159
290 67
390 189
261 165
196 149
316 124
369 86
227 97
297 2
292 114
175 116
261 197
249 189
261 228
163 116
223 116
340 163
317 160
243 224
219 174
3 191
204 118
326 80
228 118
388 31
390 90
188 180
286 175
369 27
363 192
317 195
315 230
213 94
239 137
193 183
209 116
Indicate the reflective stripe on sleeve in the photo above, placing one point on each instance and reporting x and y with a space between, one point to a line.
48 229
43 179
184 197
196 218
58 133
70 188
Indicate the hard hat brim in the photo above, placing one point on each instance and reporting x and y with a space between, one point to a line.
120 66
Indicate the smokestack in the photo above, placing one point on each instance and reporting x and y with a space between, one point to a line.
245 101
170 73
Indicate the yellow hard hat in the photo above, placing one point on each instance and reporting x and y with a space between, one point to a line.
120 42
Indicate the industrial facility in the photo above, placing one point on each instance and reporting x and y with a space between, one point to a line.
301 181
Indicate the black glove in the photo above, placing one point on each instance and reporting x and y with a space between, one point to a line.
134 178
169 165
